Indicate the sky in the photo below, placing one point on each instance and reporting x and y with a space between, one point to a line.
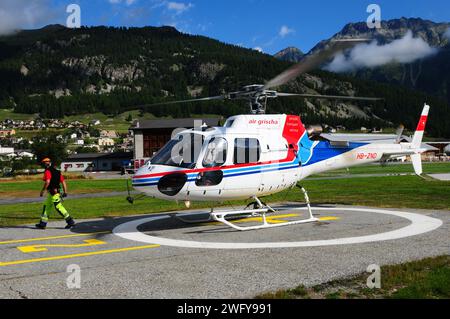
266 25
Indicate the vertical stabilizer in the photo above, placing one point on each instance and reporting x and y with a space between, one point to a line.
417 141
418 136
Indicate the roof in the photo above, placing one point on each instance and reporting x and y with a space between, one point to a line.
172 123
98 156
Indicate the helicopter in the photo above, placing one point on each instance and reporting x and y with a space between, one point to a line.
257 154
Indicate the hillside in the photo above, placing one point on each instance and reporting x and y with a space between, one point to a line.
430 75
59 72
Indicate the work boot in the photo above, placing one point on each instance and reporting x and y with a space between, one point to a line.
41 225
70 223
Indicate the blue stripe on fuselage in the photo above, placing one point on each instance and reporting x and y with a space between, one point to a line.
324 151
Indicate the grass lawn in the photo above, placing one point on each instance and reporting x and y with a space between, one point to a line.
396 191
23 189
424 279
428 168
118 123
9 114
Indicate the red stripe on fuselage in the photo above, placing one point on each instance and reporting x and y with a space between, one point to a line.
422 123
200 170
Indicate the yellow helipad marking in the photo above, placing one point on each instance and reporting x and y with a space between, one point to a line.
273 219
27 240
94 253
39 248
330 218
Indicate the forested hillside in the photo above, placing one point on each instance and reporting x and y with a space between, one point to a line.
57 71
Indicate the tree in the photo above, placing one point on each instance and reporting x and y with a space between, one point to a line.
47 145
85 149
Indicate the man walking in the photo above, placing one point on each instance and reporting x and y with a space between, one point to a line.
52 184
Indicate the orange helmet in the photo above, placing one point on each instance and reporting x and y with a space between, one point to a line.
46 160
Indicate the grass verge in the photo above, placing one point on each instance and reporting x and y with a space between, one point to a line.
425 279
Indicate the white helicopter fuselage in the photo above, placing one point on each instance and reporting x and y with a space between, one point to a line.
255 156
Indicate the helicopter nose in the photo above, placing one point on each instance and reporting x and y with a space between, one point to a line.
156 185
144 182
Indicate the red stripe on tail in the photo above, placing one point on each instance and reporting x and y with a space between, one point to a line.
422 123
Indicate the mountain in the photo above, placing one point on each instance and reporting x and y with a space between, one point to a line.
290 54
57 71
430 75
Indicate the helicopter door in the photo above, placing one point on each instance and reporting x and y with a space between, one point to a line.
210 181
245 179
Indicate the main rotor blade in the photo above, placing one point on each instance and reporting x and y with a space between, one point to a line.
332 97
310 62
211 98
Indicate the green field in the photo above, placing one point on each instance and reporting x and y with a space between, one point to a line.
117 123
396 191
9 114
424 279
12 189
21 189
428 168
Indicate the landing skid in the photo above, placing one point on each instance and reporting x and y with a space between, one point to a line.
261 210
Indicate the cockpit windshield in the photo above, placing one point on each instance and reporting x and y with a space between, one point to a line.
182 151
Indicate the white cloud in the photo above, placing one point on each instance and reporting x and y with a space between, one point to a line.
405 50
259 49
127 2
24 14
285 31
179 7
447 34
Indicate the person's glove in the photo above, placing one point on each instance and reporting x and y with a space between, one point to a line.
41 194
64 195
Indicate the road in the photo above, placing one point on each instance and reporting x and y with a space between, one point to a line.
162 257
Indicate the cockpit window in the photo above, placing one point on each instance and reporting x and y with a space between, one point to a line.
216 152
183 151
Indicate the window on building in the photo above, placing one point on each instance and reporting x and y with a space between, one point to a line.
216 152
246 150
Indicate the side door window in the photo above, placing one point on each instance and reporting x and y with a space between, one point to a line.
246 151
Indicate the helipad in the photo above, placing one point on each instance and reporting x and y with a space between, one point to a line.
418 224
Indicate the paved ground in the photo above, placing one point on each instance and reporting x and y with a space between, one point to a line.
441 177
33 263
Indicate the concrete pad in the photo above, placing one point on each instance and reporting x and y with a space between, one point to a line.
441 177
33 264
